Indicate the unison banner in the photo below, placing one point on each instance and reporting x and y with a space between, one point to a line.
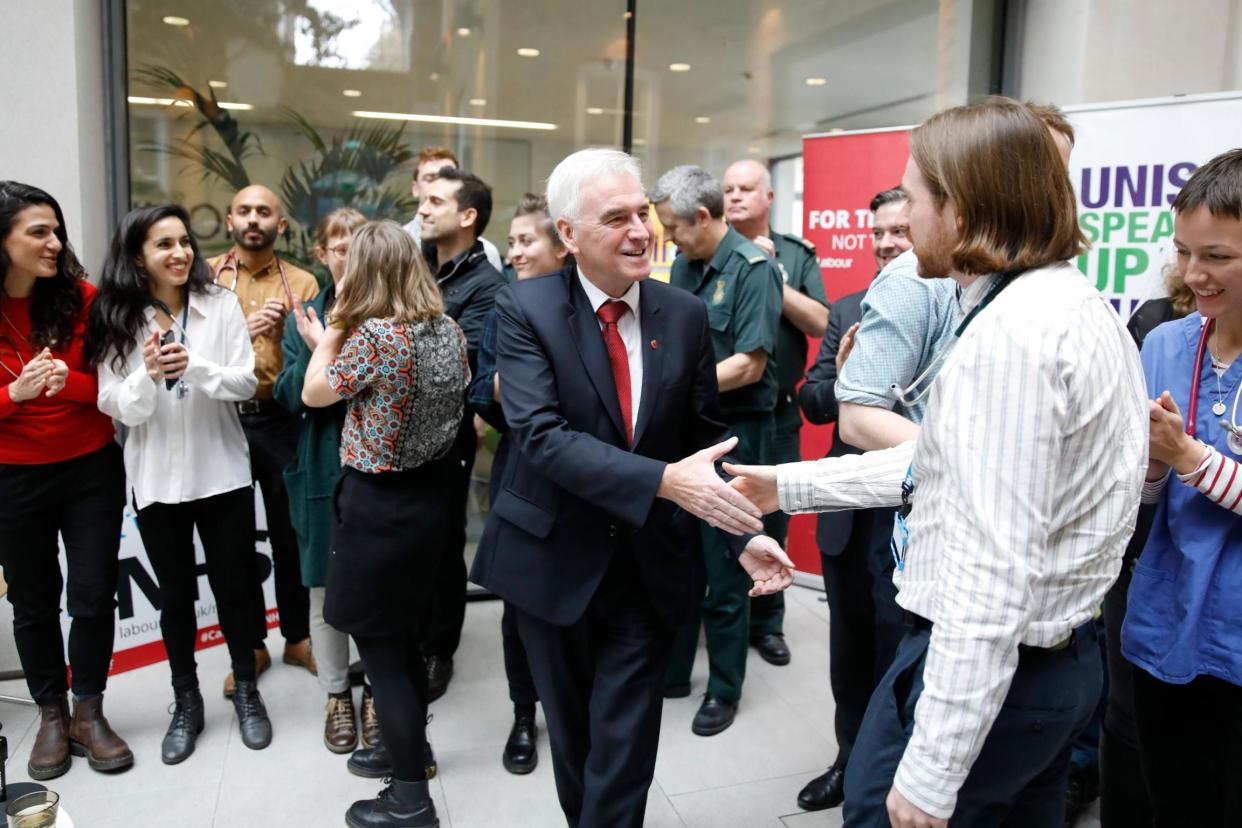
1129 161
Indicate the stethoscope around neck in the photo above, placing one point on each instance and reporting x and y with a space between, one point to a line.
1192 415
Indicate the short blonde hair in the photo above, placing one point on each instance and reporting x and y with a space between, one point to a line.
999 166
385 277
340 222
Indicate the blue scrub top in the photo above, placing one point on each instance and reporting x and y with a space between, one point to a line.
1184 617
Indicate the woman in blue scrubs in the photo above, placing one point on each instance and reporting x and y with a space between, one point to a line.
1183 628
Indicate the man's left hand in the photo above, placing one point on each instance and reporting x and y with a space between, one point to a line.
904 815
767 565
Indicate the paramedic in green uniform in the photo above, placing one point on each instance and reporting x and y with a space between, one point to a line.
748 199
742 290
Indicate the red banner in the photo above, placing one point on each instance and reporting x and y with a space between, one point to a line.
841 174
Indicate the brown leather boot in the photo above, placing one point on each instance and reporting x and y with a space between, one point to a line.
300 655
49 757
340 732
91 736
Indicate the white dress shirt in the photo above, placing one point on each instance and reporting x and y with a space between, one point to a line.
1027 475
186 448
629 327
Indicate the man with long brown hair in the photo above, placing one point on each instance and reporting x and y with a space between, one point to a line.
1024 483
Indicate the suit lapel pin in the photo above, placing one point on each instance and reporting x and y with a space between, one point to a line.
654 345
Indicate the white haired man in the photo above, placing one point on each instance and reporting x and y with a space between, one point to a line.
608 381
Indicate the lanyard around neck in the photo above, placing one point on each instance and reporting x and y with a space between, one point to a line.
911 395
185 314
1003 280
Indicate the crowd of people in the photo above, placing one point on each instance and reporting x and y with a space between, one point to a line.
998 438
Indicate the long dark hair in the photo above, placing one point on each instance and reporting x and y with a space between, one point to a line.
56 301
119 311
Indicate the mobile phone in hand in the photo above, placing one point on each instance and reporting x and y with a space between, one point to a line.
167 338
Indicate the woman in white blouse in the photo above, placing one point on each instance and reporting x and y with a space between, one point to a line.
173 357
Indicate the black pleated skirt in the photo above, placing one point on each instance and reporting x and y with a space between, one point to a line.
387 542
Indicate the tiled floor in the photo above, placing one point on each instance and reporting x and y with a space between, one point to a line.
746 777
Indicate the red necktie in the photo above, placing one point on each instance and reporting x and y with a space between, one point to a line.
609 313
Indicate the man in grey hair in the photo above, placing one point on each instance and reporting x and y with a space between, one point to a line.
741 289
608 384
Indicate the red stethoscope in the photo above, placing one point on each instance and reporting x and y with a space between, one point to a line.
1218 408
230 263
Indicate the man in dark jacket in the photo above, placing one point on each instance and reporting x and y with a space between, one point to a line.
609 389
455 209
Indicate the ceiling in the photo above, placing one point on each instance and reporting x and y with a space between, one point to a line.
746 91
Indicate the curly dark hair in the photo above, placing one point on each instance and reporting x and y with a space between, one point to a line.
119 311
57 300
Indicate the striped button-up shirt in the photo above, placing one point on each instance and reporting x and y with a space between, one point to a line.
1027 473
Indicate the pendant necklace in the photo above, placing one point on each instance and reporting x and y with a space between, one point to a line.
1218 407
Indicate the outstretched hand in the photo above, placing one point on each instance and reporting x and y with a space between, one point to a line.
757 484
694 485
767 565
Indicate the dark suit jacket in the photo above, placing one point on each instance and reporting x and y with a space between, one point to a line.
818 401
572 492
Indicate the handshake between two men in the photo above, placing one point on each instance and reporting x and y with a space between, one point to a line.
734 507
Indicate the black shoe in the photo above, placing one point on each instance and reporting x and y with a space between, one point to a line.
252 720
824 791
520 755
400 805
439 672
677 691
187 723
1084 788
772 648
374 763
714 716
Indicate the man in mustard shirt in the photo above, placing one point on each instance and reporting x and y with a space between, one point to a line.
742 290
266 287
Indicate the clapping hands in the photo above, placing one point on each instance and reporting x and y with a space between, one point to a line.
43 374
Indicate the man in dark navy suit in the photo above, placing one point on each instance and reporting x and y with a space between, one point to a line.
608 381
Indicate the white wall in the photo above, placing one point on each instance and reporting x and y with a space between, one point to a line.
52 132
1089 51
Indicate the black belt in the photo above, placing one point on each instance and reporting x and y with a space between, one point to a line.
256 406
918 623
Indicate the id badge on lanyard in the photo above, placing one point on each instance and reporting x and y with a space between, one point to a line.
901 535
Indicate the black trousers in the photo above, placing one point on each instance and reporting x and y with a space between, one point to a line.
398 677
225 524
448 599
82 501
600 680
273 439
1190 739
864 622
1124 800
517 665
1021 773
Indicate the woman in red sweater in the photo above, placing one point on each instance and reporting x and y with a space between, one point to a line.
61 474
